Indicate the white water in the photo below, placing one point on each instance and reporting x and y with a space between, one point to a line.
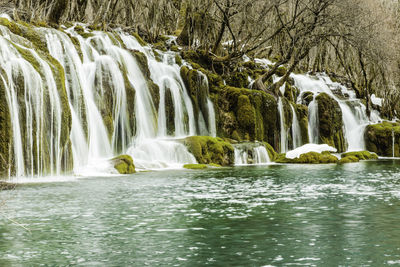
296 131
38 122
99 71
313 122
283 131
251 154
353 111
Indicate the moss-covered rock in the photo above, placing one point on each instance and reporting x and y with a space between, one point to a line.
309 158
302 117
124 164
196 83
209 150
238 79
291 92
361 155
306 98
379 139
273 155
245 114
348 159
330 122
195 166
281 71
5 131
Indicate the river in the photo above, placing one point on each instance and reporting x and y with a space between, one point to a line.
275 215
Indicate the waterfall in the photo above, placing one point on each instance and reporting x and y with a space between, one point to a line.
353 111
283 139
211 118
251 154
313 128
36 121
87 96
296 131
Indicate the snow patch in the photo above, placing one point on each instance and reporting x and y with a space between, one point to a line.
376 100
309 148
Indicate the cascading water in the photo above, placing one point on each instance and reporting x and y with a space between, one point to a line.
283 132
296 131
110 104
251 154
353 111
313 128
36 126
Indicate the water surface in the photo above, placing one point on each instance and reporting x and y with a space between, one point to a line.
277 215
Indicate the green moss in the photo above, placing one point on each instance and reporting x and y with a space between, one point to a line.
124 164
348 159
5 131
302 117
209 150
160 46
330 122
379 138
281 71
238 79
306 98
198 92
178 60
361 155
79 30
309 158
198 58
246 115
195 166
139 39
240 121
291 92
174 48
273 155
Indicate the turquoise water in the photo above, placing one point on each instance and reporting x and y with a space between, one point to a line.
278 215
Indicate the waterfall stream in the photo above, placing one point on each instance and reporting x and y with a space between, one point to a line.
296 131
251 154
114 108
353 111
283 131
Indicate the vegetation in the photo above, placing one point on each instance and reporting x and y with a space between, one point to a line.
361 155
379 139
309 158
348 159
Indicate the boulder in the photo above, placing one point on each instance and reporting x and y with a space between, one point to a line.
348 159
360 155
309 158
208 150
124 164
379 138
330 122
